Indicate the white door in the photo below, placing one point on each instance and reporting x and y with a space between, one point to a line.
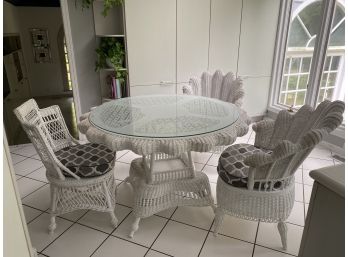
151 42
224 34
192 38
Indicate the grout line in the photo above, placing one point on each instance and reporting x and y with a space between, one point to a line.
257 231
205 239
161 231
34 191
29 172
279 251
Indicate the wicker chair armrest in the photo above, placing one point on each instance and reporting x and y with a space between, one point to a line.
62 167
281 151
263 132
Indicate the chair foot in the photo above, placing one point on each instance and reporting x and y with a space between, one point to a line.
134 227
219 217
53 225
282 228
114 220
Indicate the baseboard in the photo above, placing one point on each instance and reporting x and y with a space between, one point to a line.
334 148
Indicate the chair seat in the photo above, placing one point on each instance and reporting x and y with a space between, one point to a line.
88 160
231 167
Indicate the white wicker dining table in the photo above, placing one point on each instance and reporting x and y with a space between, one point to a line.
171 124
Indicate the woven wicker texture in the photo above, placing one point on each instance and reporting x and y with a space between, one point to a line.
48 132
269 195
226 87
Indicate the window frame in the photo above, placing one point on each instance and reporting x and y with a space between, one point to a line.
318 59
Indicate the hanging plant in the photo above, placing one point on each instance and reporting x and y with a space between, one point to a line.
108 4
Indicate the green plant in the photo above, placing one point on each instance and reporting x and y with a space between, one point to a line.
112 50
108 4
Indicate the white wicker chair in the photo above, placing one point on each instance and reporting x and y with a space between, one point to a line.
257 182
224 87
69 190
162 181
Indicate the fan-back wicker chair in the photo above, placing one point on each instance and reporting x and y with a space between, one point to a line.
226 87
256 182
80 175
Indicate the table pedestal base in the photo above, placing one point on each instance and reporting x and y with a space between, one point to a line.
153 198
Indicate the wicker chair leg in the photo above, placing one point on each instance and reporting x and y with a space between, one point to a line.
111 205
282 228
135 227
53 225
219 217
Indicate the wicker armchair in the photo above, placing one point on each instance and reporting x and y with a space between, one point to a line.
256 182
224 87
80 175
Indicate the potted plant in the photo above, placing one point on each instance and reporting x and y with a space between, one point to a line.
108 4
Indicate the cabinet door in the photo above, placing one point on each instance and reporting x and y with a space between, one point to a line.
192 38
224 34
162 89
257 39
151 41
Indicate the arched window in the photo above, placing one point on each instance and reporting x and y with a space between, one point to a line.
64 60
304 27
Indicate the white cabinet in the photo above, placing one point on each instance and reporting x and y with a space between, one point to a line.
161 89
224 34
193 18
151 41
257 39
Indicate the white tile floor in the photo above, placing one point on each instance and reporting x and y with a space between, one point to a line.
183 231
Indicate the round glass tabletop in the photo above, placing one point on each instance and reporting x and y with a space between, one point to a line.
164 116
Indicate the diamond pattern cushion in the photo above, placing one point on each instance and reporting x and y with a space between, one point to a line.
89 160
231 167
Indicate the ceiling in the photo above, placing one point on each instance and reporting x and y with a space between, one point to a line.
38 3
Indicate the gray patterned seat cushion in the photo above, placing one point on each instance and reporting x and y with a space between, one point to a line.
231 167
89 160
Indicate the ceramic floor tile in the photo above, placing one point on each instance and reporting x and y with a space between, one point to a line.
39 174
238 228
18 177
124 194
30 213
178 240
198 166
201 157
268 236
26 186
102 220
201 217
128 157
78 241
73 216
321 153
117 247
27 150
40 199
242 140
121 170
306 178
38 230
14 148
153 253
27 166
166 213
298 192
214 159
119 154
314 163
149 228
307 193
222 246
17 158
211 172
298 176
297 214
265 252
36 157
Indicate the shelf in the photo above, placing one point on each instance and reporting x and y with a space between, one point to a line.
109 35
112 69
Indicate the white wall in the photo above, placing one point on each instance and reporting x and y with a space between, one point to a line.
10 18
44 78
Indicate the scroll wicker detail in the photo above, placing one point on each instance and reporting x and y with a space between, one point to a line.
48 132
287 141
